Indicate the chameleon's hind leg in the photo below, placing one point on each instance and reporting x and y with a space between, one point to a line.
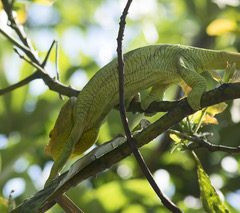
197 82
156 94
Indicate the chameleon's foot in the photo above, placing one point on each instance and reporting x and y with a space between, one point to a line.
49 181
156 94
53 174
194 102
143 124
148 114
146 103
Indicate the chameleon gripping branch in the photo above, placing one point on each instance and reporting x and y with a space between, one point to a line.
155 66
61 184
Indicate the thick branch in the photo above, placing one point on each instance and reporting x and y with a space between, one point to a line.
85 168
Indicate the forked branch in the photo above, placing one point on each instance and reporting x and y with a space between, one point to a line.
24 44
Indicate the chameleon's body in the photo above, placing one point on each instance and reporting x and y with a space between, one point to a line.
155 66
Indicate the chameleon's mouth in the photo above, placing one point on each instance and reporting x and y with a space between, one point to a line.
50 134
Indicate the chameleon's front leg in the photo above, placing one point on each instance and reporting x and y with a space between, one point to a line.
194 80
156 94
65 153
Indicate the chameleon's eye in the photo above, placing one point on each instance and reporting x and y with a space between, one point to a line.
50 134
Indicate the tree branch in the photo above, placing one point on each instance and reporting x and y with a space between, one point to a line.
67 204
99 160
62 89
26 47
8 8
165 200
20 83
14 41
28 79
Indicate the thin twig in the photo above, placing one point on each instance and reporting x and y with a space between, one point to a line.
8 8
20 83
14 41
199 142
48 53
67 204
29 61
52 83
56 67
166 202
30 53
29 78
56 63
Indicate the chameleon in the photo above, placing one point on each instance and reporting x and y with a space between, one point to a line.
155 67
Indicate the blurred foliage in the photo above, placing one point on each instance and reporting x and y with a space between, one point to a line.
86 32
210 198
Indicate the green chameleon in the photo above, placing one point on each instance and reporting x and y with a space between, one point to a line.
155 67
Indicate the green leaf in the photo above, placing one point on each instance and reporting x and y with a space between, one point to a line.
207 116
221 26
210 199
175 138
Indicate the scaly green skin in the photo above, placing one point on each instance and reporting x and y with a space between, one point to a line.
156 66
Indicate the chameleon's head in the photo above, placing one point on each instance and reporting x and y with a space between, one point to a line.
61 130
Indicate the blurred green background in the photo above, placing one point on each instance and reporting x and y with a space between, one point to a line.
86 32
